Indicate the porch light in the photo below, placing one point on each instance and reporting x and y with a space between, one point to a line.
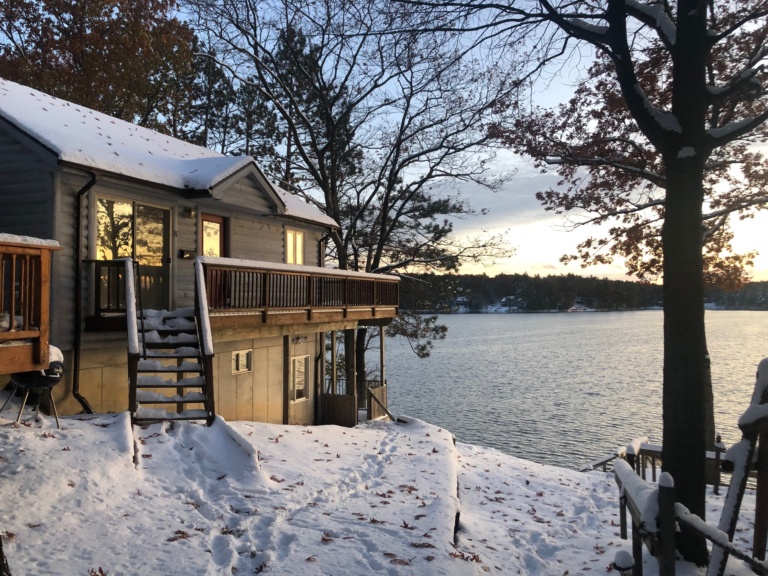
189 212
299 339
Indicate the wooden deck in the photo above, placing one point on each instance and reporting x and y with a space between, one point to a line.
25 289
248 295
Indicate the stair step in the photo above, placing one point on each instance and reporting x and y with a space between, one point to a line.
160 382
182 352
149 397
170 337
155 365
155 414
184 324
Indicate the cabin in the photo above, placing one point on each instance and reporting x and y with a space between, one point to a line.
186 283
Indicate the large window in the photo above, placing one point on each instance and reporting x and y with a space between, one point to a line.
299 378
129 229
294 247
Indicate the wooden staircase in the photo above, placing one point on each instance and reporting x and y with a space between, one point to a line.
170 370
170 357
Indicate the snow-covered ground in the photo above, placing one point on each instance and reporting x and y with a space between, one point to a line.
245 498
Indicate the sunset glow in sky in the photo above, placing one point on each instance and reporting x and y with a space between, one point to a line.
539 237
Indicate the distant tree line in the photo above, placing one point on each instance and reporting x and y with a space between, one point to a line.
435 292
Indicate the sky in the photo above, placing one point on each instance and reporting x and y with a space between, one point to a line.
539 238
99 496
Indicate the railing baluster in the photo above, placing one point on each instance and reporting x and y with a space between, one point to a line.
12 307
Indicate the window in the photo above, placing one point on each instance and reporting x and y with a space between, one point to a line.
299 378
213 235
242 361
129 229
294 247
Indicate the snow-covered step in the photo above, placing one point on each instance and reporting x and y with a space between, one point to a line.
154 365
159 323
182 352
170 337
160 382
149 397
144 413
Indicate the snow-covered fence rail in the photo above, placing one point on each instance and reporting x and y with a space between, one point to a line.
654 513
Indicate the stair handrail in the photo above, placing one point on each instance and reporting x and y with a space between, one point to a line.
201 308
141 312
130 309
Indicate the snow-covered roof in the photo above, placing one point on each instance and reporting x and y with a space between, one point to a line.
84 137
298 208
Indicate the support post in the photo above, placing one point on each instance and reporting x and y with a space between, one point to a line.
761 498
666 525
334 363
382 356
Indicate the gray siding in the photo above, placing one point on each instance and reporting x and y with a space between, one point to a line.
26 190
255 238
184 237
245 192
66 186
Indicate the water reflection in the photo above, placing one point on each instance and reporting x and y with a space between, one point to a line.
565 388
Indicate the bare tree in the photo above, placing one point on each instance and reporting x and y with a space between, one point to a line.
706 94
376 122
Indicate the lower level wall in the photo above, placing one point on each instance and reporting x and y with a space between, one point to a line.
256 395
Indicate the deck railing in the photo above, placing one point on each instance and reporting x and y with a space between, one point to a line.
24 305
262 287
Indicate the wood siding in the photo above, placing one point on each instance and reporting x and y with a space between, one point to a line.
245 192
257 238
25 189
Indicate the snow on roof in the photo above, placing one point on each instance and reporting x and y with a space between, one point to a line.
82 136
297 208
85 137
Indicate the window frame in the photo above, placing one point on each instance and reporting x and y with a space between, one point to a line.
291 246
292 389
166 260
221 221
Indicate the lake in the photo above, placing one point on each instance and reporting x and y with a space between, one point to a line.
565 389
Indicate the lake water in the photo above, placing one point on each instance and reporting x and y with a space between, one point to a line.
565 389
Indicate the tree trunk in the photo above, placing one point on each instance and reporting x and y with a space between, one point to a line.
5 570
687 383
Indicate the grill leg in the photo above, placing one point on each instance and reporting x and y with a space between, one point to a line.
23 403
15 388
53 406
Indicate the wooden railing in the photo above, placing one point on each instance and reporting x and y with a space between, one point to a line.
24 306
109 296
265 287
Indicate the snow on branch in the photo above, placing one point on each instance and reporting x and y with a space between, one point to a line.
654 15
665 120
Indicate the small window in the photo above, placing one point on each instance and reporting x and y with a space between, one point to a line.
294 247
299 378
242 361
